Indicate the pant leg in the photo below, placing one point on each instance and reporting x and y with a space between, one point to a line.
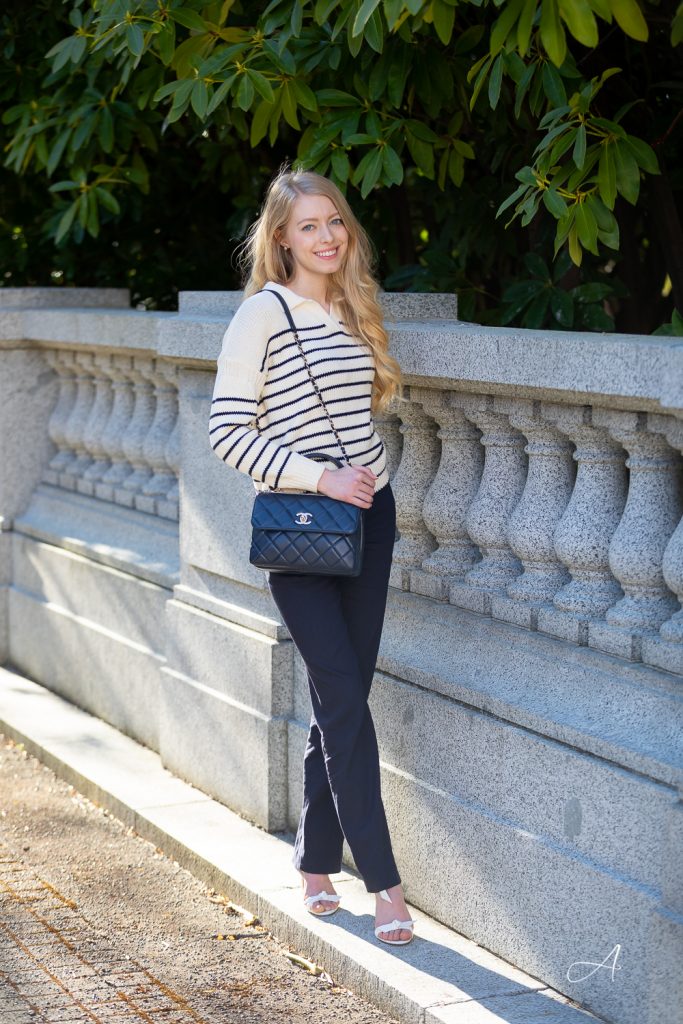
311 607
364 597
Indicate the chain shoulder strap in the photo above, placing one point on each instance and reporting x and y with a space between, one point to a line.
288 314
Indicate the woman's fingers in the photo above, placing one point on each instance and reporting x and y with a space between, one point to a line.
354 484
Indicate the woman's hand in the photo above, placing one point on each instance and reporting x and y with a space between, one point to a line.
355 484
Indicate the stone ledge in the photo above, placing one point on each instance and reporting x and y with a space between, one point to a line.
627 713
121 538
441 976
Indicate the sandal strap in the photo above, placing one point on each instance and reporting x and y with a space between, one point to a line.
322 896
394 926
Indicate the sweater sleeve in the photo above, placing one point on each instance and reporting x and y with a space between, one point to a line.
233 422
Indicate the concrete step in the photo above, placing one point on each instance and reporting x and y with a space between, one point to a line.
442 977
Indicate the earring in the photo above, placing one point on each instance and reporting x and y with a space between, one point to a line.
286 248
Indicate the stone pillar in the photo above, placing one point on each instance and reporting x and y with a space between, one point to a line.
388 424
154 448
136 432
666 650
168 504
500 488
64 364
653 509
419 463
583 534
449 495
549 484
95 426
114 431
74 429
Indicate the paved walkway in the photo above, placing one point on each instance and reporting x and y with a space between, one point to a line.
120 920
97 925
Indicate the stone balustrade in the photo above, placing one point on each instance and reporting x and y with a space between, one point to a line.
115 428
528 692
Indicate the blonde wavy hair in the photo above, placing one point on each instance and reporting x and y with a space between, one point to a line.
353 287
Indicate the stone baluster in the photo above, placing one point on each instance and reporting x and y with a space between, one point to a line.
97 421
120 371
419 463
549 483
168 505
449 495
583 534
136 432
388 426
164 378
500 488
74 429
653 509
666 650
63 363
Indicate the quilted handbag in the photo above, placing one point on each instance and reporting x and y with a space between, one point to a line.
306 532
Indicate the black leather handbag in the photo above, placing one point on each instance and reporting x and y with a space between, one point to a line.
307 532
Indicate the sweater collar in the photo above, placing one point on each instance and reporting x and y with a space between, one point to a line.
292 298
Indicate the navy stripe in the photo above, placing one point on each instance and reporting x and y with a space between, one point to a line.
279 474
302 369
330 373
328 401
266 447
265 471
247 449
309 341
317 419
234 398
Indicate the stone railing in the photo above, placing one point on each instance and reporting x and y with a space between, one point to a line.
528 692
558 517
115 427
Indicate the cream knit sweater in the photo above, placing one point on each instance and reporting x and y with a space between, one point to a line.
265 415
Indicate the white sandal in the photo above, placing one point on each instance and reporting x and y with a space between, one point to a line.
310 901
394 925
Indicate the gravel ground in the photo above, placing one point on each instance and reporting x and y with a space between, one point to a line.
98 925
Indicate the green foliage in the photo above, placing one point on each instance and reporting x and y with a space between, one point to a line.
425 103
673 329
530 301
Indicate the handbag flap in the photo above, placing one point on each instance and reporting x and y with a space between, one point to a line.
315 512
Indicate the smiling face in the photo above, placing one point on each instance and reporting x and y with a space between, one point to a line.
315 236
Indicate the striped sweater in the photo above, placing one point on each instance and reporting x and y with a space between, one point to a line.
265 415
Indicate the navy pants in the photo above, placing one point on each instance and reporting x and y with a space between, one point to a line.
336 624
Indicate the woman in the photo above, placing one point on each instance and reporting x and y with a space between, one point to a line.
308 247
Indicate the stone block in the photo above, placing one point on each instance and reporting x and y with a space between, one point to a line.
125 539
429 584
522 897
95 668
520 613
230 600
662 654
243 665
665 956
64 298
104 596
230 751
215 529
28 391
627 713
622 643
562 625
474 599
584 807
